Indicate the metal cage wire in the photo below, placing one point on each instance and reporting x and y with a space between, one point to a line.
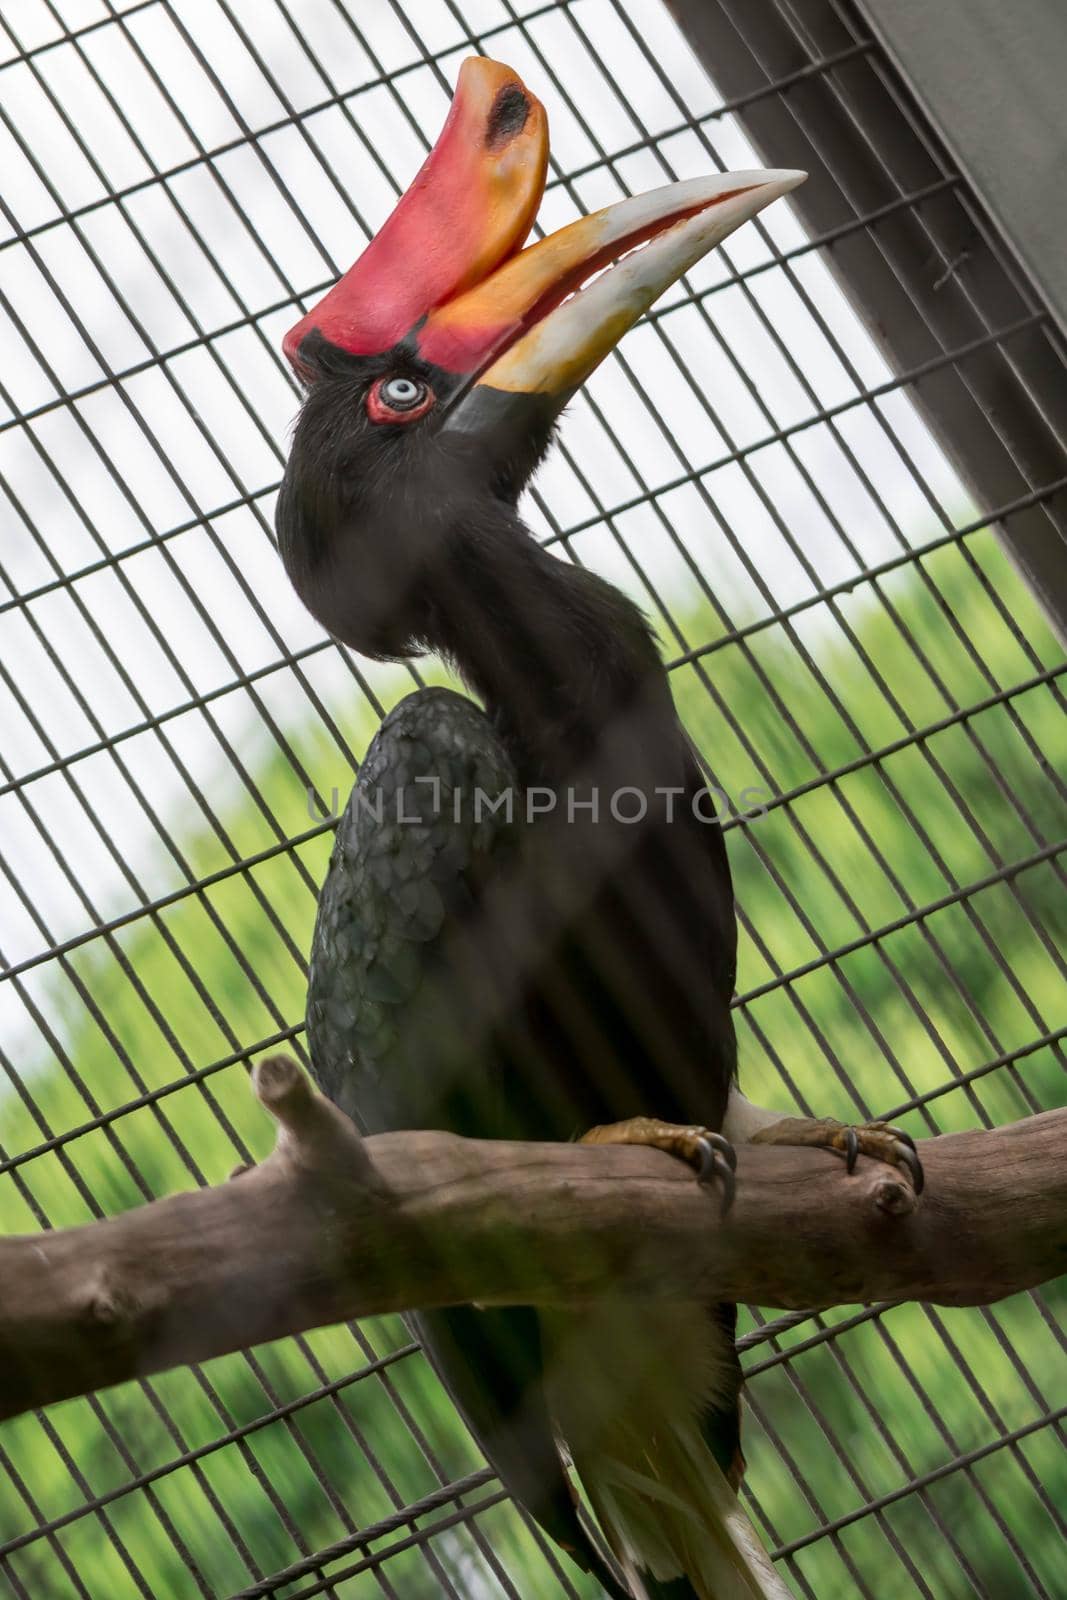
179 181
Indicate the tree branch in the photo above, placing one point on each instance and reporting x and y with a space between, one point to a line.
333 1226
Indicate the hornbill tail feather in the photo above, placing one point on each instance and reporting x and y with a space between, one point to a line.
676 1525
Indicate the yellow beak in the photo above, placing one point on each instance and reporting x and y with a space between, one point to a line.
548 326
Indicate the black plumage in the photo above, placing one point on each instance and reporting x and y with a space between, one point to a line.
522 978
527 928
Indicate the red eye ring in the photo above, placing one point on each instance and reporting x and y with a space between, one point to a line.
379 408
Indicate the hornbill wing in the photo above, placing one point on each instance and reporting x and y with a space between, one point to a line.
391 1042
403 874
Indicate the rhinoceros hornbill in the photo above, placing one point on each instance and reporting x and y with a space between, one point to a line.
527 930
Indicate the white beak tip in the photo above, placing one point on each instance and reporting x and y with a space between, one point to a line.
786 178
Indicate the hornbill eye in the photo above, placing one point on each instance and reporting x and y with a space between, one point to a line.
399 399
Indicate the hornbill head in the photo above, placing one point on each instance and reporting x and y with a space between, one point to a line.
435 368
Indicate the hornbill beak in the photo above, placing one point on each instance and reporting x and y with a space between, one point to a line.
551 326
447 279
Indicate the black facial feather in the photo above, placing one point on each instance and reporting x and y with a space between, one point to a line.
373 516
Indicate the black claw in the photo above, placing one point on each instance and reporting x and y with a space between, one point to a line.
708 1158
852 1149
716 1166
909 1159
901 1136
725 1149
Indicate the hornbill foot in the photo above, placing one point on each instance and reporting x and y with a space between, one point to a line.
708 1152
879 1140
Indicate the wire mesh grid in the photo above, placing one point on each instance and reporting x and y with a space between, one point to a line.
875 691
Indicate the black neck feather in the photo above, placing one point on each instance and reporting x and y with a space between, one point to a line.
558 655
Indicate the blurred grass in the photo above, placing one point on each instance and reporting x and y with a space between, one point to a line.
845 1421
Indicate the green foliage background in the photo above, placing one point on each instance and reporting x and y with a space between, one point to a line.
901 1395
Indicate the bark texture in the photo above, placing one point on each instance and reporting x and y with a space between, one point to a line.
333 1226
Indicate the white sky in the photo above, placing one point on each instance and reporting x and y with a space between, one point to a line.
142 453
